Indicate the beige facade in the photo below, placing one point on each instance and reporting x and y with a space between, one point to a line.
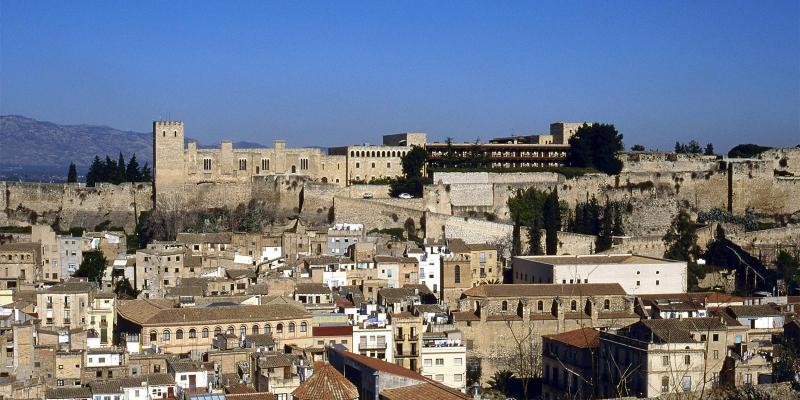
491 316
19 264
180 330
407 339
176 165
66 305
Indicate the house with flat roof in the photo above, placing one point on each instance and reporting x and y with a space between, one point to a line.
635 273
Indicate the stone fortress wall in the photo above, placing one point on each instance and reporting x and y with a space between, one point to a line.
73 205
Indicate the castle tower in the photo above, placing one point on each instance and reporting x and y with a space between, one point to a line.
168 158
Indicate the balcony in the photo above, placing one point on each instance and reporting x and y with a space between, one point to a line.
399 338
372 346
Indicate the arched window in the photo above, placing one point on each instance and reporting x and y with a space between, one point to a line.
242 330
255 329
267 329
217 331
165 335
303 326
457 274
179 334
291 327
153 336
192 334
539 305
205 332
573 305
352 153
279 328
504 305
230 329
606 304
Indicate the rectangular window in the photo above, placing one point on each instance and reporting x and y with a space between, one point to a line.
439 377
457 377
457 361
207 164
715 337
426 362
303 163
716 354
665 360
242 164
440 361
265 164
687 359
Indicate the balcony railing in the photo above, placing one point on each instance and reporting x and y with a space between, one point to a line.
372 346
399 338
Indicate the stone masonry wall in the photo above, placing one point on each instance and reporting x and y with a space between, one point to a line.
73 205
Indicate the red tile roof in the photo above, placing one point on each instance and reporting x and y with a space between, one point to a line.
326 384
344 330
584 338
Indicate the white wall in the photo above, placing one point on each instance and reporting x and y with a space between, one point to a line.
635 278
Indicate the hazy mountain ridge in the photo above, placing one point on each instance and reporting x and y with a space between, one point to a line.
26 142
38 150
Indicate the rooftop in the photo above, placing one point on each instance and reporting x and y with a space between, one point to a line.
584 338
326 384
597 259
549 290
148 312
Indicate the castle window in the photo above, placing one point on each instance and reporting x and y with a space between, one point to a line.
303 163
207 164
267 329
606 304
358 165
179 334
242 330
175 134
539 305
165 335
291 327
205 332
192 333
373 165
388 165
279 328
265 164
242 164
573 305
303 326
163 133
255 329
352 153
457 274
504 306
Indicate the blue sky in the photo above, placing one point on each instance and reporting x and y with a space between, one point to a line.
332 73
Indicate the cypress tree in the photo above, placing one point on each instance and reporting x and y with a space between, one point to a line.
552 222
108 171
132 172
603 242
119 173
618 230
516 244
95 172
147 175
72 173
535 230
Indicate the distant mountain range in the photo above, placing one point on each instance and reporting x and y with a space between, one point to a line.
40 150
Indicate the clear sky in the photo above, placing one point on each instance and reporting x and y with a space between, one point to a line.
339 72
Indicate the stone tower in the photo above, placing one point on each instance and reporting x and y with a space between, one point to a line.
168 158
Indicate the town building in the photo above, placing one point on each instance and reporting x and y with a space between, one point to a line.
569 364
637 274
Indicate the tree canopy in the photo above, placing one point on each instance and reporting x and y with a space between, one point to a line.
596 146
92 267
117 172
413 180
747 150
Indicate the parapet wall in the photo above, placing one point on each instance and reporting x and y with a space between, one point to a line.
73 205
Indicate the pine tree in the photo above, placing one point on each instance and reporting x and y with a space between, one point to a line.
132 172
147 175
709 150
72 173
95 172
552 222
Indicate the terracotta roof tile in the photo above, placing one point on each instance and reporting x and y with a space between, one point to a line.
146 312
549 290
581 338
326 384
